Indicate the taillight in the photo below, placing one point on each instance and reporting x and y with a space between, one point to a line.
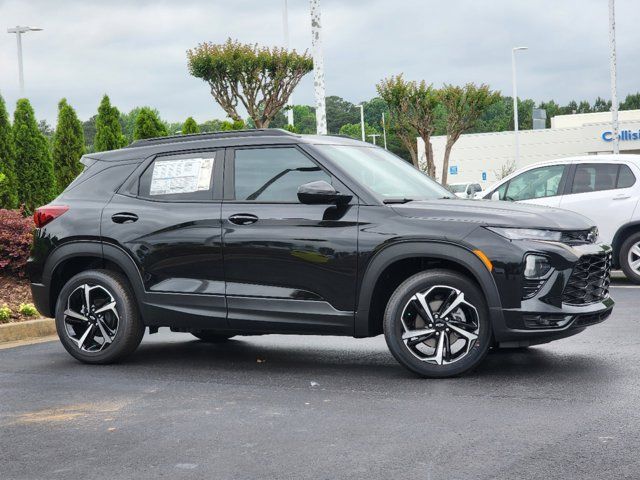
44 215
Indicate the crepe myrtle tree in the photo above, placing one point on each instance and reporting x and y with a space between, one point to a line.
412 107
463 106
261 79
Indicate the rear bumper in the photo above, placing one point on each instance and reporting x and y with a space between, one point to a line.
40 294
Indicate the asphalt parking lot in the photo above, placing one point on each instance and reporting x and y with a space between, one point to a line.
325 407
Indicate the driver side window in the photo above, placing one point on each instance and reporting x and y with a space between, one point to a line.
537 183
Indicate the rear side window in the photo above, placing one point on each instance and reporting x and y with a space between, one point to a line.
184 178
596 177
273 174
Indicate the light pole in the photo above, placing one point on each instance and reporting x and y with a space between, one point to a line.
515 102
614 88
384 132
18 30
285 32
318 68
361 107
374 136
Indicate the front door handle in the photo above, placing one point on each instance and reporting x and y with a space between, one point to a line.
243 219
124 217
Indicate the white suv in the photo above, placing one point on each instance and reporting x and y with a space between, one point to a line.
604 188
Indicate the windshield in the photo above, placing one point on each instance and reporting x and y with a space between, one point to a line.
458 187
385 174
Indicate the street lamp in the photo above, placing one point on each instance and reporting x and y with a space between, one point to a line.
18 30
515 102
361 107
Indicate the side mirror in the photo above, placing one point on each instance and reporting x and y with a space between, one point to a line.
495 195
321 192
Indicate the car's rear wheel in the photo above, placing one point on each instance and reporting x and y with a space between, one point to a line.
629 258
436 324
210 336
96 317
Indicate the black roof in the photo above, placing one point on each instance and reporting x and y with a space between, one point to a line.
273 136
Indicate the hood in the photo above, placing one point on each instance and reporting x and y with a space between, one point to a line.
495 214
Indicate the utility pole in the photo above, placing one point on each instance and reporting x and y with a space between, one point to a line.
374 136
384 132
18 30
515 103
285 31
614 88
361 107
318 68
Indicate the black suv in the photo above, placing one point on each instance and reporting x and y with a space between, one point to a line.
264 231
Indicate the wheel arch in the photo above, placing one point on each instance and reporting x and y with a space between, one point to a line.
75 257
399 261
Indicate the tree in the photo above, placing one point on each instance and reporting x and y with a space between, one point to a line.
148 125
34 170
412 107
339 113
463 106
354 130
190 126
8 185
68 146
108 129
261 79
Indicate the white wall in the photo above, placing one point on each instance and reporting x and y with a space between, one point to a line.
488 152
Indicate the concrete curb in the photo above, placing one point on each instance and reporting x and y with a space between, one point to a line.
41 327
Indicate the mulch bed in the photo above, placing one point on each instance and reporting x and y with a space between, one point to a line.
13 292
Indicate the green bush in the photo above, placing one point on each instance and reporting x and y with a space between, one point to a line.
5 313
27 309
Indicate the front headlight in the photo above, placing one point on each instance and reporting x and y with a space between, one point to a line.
527 233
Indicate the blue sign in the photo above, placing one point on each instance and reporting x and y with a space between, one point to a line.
623 136
484 176
453 170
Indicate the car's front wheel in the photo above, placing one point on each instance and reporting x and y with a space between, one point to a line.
436 324
97 318
629 258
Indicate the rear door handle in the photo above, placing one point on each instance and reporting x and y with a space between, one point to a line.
124 217
243 219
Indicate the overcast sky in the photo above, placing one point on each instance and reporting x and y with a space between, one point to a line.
135 50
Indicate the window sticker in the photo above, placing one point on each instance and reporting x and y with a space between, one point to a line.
184 175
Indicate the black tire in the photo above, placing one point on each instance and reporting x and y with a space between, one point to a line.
210 336
425 282
129 328
623 258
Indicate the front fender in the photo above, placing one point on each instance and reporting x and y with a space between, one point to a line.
364 325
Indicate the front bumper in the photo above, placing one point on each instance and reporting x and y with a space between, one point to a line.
549 314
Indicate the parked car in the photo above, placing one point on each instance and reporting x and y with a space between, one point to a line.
465 189
604 188
264 231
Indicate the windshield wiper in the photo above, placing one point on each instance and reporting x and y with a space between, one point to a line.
397 200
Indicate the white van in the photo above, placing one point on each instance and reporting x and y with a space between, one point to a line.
604 188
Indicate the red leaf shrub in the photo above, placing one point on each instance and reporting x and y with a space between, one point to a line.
16 234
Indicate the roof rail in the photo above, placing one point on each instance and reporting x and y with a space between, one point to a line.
256 132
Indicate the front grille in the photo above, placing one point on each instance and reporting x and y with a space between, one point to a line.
589 281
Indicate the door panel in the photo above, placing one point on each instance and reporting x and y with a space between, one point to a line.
177 246
288 267
594 193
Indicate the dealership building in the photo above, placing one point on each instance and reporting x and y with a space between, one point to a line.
481 157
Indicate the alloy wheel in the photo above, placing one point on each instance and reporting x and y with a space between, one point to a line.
633 258
439 325
91 318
